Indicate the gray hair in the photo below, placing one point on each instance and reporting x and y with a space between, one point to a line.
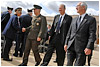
84 4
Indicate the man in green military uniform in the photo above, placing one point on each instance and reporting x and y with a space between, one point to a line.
36 34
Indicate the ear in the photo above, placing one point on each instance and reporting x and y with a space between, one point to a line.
83 7
65 8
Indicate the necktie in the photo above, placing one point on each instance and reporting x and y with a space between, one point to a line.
78 22
18 22
80 19
58 25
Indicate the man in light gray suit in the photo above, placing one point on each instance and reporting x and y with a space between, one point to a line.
81 37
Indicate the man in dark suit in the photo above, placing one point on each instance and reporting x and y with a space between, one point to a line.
58 32
21 36
81 37
12 27
5 16
36 33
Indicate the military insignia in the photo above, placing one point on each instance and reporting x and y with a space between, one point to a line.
37 23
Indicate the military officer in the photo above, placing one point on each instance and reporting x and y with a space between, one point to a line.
36 34
5 16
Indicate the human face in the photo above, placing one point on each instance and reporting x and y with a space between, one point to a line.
61 9
36 11
19 13
10 11
31 14
80 9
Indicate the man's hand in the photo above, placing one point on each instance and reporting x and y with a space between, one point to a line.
23 29
49 37
38 39
65 48
87 51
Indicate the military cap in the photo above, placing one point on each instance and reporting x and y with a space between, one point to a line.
37 7
29 10
9 8
19 9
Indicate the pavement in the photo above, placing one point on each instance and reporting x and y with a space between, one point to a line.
18 60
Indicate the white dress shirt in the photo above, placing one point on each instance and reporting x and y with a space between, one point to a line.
61 19
82 16
79 22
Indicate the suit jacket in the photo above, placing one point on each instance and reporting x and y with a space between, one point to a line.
5 16
38 27
13 28
84 36
63 29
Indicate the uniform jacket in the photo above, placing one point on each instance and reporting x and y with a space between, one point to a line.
5 16
26 20
38 27
13 28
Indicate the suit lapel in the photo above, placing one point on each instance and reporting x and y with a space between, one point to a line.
75 20
83 22
56 21
65 17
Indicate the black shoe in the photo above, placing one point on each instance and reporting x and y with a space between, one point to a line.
16 55
20 55
55 61
37 63
1 56
22 64
7 59
44 64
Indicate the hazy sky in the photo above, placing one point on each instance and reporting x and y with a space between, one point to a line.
50 8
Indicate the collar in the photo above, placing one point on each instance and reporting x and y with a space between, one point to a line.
38 16
83 15
62 15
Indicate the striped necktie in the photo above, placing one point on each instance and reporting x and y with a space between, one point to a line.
58 25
